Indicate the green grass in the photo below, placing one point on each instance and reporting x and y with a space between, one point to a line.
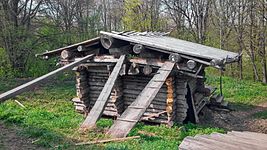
261 115
50 119
242 92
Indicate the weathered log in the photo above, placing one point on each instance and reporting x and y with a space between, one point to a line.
109 42
65 54
117 51
138 48
174 57
90 42
147 70
151 62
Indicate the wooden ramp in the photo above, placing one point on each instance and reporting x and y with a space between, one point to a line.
29 85
101 102
134 112
233 140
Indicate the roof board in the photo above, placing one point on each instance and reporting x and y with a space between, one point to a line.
174 45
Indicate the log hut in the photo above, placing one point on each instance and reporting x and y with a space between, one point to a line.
140 76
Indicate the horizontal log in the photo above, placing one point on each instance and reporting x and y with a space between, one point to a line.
151 62
152 106
90 71
111 114
96 80
130 98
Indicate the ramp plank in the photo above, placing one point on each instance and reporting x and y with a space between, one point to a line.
102 100
134 112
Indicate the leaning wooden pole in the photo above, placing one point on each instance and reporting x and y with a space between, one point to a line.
29 85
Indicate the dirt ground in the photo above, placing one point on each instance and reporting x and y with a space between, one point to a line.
239 120
10 140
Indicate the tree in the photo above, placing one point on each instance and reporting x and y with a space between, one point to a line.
16 29
195 14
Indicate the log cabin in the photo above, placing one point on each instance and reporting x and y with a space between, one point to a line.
140 76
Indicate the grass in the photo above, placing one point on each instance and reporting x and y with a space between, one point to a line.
261 115
50 119
243 92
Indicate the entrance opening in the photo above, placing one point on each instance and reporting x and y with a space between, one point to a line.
190 116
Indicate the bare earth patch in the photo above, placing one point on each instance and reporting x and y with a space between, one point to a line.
9 139
239 120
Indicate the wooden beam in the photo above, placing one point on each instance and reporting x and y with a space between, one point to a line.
90 42
138 48
27 86
102 100
150 62
135 111
108 140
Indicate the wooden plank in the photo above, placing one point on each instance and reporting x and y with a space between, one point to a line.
90 42
102 100
191 144
107 140
242 141
121 128
27 86
216 144
251 135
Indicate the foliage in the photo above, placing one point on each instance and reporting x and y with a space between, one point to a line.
5 67
139 16
240 91
134 18
261 115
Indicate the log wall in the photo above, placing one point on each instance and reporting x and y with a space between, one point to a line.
169 105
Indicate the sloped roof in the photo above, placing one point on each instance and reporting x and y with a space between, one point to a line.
169 44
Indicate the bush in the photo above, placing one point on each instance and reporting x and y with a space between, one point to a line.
6 70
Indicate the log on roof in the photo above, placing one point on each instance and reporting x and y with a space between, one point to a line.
172 45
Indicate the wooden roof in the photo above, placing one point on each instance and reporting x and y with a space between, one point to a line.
169 44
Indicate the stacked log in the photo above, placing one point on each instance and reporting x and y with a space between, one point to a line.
97 77
81 102
157 111
181 106
169 106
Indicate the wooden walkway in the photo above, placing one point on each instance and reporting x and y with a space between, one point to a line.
233 140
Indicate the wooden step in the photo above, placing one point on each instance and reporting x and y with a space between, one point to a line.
121 128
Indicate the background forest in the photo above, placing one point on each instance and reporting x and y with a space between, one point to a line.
28 27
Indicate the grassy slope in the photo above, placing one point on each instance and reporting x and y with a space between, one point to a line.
50 118
241 92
